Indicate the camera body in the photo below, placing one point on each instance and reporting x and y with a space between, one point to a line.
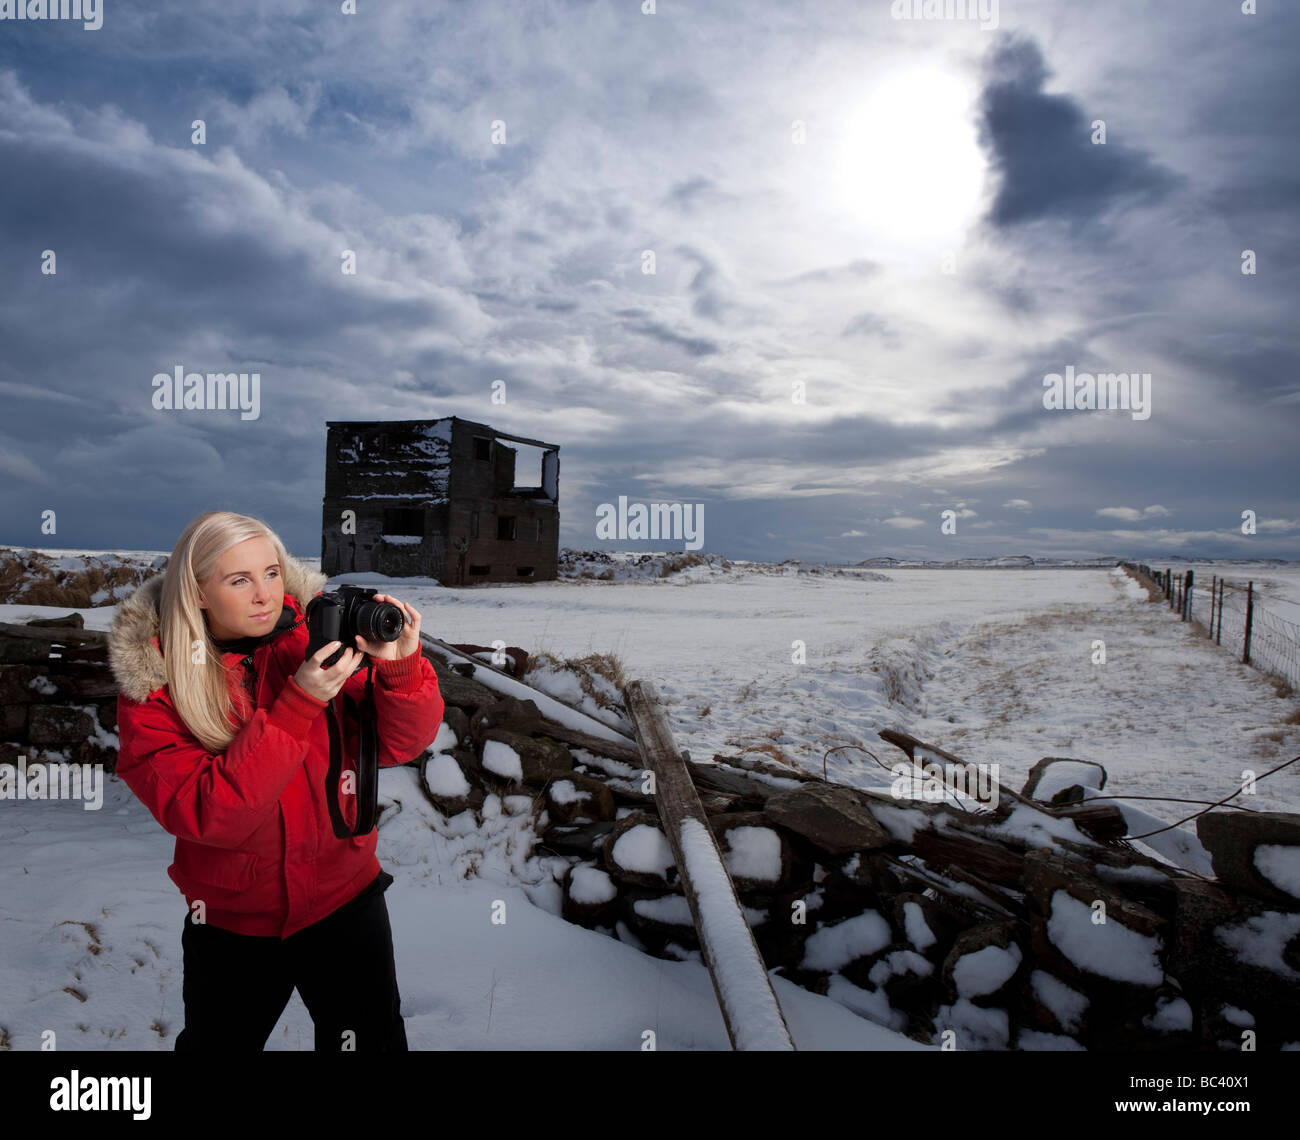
341 614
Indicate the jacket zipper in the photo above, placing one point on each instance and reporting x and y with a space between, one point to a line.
250 671
250 680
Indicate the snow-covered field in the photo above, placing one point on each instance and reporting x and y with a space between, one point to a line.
995 665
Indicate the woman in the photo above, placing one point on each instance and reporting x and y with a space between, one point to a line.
222 737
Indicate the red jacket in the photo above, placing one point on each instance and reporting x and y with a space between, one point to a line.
253 833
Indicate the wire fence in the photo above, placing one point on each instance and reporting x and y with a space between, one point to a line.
1231 614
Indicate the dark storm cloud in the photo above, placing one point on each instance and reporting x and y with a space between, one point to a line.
1040 147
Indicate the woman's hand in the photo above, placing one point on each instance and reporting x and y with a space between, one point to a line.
405 645
323 683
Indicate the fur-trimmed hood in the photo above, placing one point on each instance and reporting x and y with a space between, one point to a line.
133 652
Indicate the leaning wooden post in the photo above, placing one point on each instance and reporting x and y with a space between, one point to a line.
1214 594
1218 632
1250 617
749 1007
1188 582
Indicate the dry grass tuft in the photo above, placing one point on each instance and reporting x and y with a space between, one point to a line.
34 579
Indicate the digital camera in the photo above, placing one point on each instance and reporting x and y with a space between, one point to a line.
341 614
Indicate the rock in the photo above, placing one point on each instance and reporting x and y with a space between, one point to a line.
582 841
779 937
638 839
56 724
831 816
540 760
1291 953
25 684
656 915
456 719
590 895
464 692
577 798
1055 774
910 983
446 802
74 620
509 712
986 963
16 649
1210 929
746 840
1122 958
930 927
1234 839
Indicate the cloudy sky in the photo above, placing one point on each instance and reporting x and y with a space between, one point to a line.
870 240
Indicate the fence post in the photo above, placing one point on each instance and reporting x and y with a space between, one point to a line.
1218 635
1214 586
1250 617
1188 582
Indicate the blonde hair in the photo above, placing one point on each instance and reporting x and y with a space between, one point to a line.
196 676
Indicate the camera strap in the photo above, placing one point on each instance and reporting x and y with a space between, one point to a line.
367 762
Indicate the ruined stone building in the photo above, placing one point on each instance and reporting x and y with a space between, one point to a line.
438 498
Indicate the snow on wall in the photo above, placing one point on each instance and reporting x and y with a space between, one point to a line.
1066 1004
1280 865
986 970
645 849
755 853
1108 948
502 759
830 947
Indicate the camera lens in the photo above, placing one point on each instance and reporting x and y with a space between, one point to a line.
380 621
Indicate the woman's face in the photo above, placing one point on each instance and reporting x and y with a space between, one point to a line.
248 582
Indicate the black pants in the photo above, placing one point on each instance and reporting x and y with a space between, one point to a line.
237 985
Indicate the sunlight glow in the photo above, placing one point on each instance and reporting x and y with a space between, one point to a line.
911 170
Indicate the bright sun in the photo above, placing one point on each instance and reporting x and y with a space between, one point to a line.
911 168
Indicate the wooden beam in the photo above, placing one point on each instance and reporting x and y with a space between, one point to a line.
55 634
749 1007
909 744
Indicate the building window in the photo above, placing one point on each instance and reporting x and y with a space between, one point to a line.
473 524
482 448
404 520
479 570
523 571
506 526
